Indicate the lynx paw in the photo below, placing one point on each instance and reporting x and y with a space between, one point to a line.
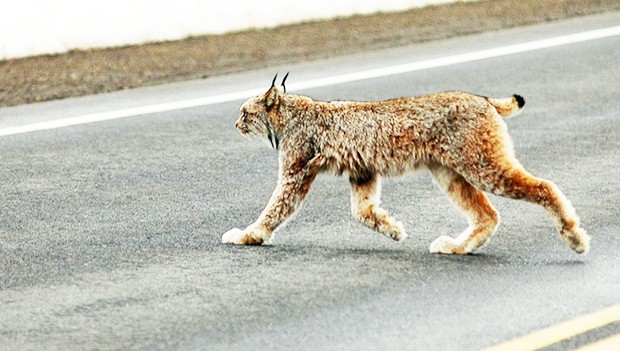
398 232
233 236
240 237
579 241
447 245
390 228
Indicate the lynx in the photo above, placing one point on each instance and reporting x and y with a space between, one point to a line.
460 138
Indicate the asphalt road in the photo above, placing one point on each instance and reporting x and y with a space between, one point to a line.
110 232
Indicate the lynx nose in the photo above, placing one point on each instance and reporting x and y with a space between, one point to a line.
238 123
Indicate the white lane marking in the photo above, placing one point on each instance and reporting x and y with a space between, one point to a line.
321 82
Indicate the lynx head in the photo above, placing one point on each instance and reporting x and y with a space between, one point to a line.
257 114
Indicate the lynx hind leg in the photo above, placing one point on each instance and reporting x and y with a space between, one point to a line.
365 194
473 203
517 183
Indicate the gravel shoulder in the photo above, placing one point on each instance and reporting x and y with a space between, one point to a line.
79 73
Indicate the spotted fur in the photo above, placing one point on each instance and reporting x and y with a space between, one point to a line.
459 137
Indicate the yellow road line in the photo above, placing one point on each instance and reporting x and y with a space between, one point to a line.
558 332
607 344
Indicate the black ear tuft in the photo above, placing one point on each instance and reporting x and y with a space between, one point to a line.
284 80
273 82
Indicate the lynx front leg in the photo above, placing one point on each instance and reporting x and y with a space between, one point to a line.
365 208
293 185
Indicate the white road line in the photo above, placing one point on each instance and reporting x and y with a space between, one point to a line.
322 82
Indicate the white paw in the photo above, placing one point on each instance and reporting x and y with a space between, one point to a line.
233 236
399 234
445 245
580 242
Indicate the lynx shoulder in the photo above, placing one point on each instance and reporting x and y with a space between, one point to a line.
460 138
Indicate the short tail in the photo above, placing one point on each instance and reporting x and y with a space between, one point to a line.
508 107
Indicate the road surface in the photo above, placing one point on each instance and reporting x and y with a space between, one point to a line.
110 231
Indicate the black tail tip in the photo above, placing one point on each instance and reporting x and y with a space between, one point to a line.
520 100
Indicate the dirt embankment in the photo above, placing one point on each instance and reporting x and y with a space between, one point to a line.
78 73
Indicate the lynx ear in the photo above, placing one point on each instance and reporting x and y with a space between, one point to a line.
271 97
272 94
